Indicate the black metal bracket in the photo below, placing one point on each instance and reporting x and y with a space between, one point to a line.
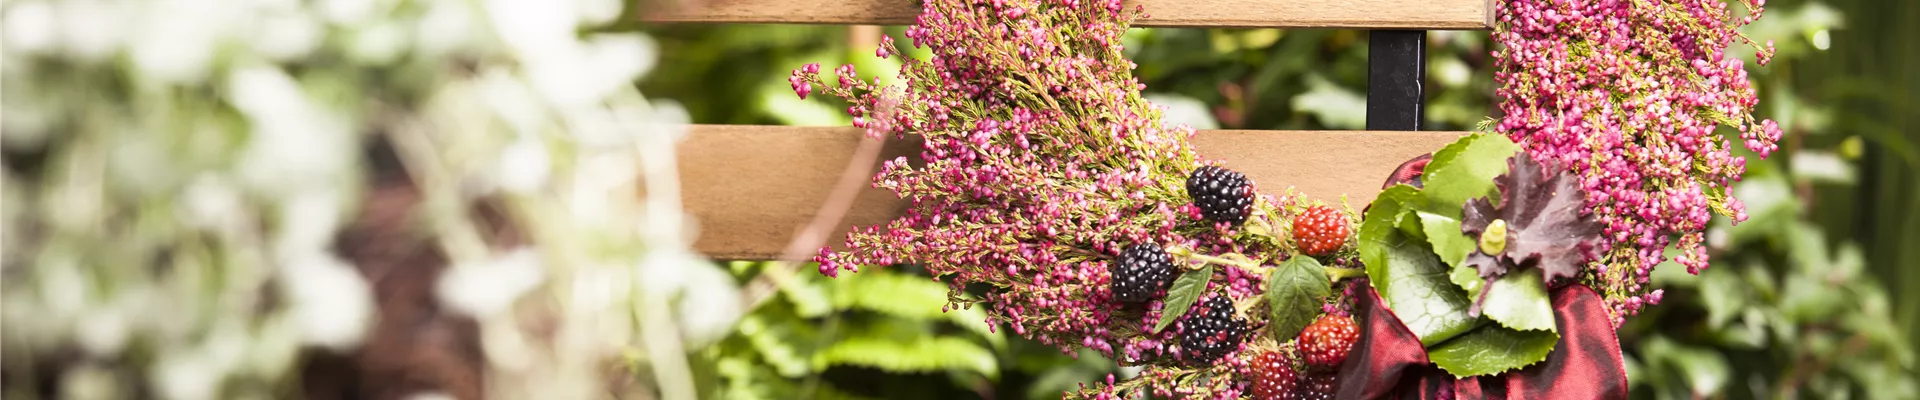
1396 80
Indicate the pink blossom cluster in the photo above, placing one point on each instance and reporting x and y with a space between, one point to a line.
1628 94
1040 164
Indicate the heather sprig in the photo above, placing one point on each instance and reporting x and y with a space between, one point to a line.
1629 95
1041 163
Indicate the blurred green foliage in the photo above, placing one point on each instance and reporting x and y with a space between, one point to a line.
1796 305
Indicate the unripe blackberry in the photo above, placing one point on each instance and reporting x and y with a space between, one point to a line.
1140 272
1221 194
1326 342
1274 377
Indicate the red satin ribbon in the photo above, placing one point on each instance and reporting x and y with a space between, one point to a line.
1389 363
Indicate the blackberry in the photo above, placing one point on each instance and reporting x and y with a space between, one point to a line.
1141 271
1221 194
1319 386
1211 331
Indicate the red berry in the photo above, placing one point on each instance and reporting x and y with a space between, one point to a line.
1321 230
1319 387
1274 377
1326 342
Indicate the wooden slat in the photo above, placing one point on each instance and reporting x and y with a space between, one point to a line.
752 187
1359 14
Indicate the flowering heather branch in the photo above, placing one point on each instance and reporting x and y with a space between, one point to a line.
1042 163
1628 94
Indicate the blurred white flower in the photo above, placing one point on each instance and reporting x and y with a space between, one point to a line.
709 305
537 29
307 221
29 26
93 30
292 144
177 40
487 288
349 12
619 58
598 12
524 165
445 27
211 203
667 119
379 43
285 35
185 374
102 331
331 303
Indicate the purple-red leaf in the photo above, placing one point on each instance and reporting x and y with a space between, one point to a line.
1547 226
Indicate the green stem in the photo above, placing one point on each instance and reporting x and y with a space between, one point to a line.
1337 273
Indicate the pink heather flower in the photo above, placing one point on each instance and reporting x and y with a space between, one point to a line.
1040 163
1628 93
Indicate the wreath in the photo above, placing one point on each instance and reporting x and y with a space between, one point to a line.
1049 192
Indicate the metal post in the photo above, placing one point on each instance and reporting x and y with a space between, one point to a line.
1396 79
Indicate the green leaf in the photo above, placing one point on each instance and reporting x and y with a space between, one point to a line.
1519 301
1295 292
1465 170
1413 282
1491 350
918 355
896 294
1449 243
1706 371
1184 293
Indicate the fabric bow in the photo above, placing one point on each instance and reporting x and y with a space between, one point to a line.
1389 363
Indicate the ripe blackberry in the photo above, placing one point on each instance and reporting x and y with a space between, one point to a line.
1321 230
1211 331
1221 194
1326 342
1274 377
1319 386
1141 271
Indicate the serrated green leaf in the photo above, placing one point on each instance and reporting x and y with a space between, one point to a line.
1184 293
1449 243
1465 170
1295 292
1411 279
916 355
1519 301
1492 349
1467 278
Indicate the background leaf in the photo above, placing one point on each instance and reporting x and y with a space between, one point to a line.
1184 293
926 354
1295 292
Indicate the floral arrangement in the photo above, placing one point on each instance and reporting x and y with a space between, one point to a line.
1052 194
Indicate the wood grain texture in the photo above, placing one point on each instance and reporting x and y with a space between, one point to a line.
752 187
1360 14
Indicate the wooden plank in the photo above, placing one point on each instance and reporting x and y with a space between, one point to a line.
1357 14
752 187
